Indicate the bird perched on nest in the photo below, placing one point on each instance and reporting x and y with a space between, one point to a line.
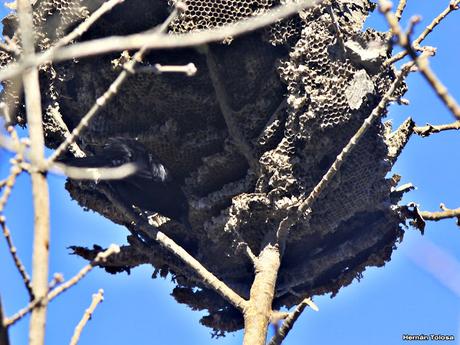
151 187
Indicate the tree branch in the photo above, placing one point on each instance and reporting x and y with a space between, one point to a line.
4 339
228 114
101 102
288 323
399 11
96 174
101 257
152 233
429 129
10 181
375 114
97 298
445 214
17 261
421 62
258 310
453 5
39 183
154 40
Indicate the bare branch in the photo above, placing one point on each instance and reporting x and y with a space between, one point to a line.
304 205
419 218
17 261
47 56
10 47
413 21
233 128
77 32
58 278
97 174
445 214
453 5
336 26
288 323
208 278
155 40
85 25
429 129
101 102
39 183
101 257
150 232
437 86
97 298
4 339
77 173
189 69
422 61
259 307
10 181
9 144
399 11
375 114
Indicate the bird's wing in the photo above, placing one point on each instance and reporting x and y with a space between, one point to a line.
156 172
151 169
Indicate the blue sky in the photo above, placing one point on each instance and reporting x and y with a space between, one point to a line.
402 297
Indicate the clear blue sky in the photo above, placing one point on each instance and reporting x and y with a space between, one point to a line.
402 297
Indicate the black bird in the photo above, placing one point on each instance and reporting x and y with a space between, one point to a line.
150 188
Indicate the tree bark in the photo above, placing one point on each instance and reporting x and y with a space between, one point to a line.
4 340
257 313
39 183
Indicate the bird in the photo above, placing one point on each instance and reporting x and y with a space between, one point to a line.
151 188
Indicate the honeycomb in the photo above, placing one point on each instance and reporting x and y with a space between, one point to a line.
204 14
295 96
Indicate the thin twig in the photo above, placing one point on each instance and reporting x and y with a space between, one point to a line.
152 40
85 25
435 216
289 321
77 173
399 11
304 205
58 278
47 56
77 32
413 21
97 298
453 5
17 261
40 262
101 102
233 125
429 129
437 86
97 174
152 233
375 114
101 257
188 69
422 61
10 47
336 26
10 181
